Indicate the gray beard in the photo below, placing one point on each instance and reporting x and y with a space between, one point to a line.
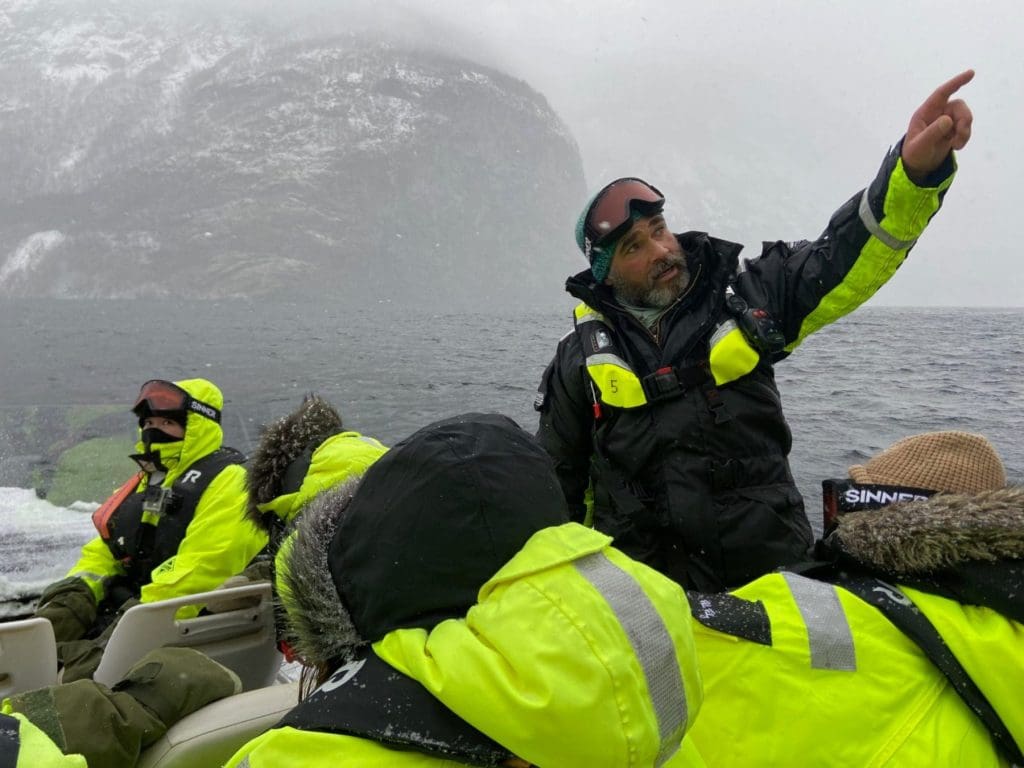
651 296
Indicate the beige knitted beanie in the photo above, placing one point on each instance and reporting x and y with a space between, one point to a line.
952 462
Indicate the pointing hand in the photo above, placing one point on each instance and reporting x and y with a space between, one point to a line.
937 127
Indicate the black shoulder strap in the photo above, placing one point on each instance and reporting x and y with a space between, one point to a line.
991 584
219 459
10 741
151 547
193 482
295 472
906 617
370 699
724 612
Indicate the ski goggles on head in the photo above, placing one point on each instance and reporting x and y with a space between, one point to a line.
841 496
610 215
159 396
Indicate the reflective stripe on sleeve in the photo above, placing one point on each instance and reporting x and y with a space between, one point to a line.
651 644
608 359
867 217
828 631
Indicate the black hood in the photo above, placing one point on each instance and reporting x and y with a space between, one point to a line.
436 517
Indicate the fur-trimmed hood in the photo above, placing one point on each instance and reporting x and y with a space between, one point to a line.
282 442
930 535
319 628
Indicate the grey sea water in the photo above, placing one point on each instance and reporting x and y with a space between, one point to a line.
850 390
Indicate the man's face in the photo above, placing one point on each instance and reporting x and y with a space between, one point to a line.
648 267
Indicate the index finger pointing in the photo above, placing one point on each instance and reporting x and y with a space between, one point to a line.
941 94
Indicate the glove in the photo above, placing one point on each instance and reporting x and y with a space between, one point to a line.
79 659
104 636
174 682
69 606
260 569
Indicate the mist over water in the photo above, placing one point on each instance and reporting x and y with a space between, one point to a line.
849 391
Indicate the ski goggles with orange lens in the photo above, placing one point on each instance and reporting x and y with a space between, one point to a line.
840 497
159 396
610 215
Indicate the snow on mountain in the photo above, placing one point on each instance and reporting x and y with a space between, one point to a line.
212 155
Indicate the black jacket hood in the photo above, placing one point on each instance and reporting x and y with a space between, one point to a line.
412 542
436 517
318 627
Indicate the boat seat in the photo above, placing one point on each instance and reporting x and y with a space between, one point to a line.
28 656
242 639
209 736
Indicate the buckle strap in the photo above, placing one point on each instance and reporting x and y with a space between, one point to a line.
726 475
715 403
671 381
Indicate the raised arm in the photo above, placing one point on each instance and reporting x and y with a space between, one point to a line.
810 284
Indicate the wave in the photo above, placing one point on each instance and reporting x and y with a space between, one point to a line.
38 544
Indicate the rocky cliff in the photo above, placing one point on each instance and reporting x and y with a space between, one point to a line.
156 151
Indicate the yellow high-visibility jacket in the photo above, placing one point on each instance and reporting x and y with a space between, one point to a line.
219 541
337 459
574 655
837 684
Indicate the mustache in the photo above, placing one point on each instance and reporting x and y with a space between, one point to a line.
668 263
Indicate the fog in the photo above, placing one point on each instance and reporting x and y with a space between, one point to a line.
758 118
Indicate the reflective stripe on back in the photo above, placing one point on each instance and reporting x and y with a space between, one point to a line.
651 644
10 741
828 631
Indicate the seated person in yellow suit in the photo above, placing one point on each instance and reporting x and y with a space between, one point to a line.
177 527
300 455
84 723
903 646
453 617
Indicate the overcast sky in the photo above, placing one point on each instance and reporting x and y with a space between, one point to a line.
797 100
